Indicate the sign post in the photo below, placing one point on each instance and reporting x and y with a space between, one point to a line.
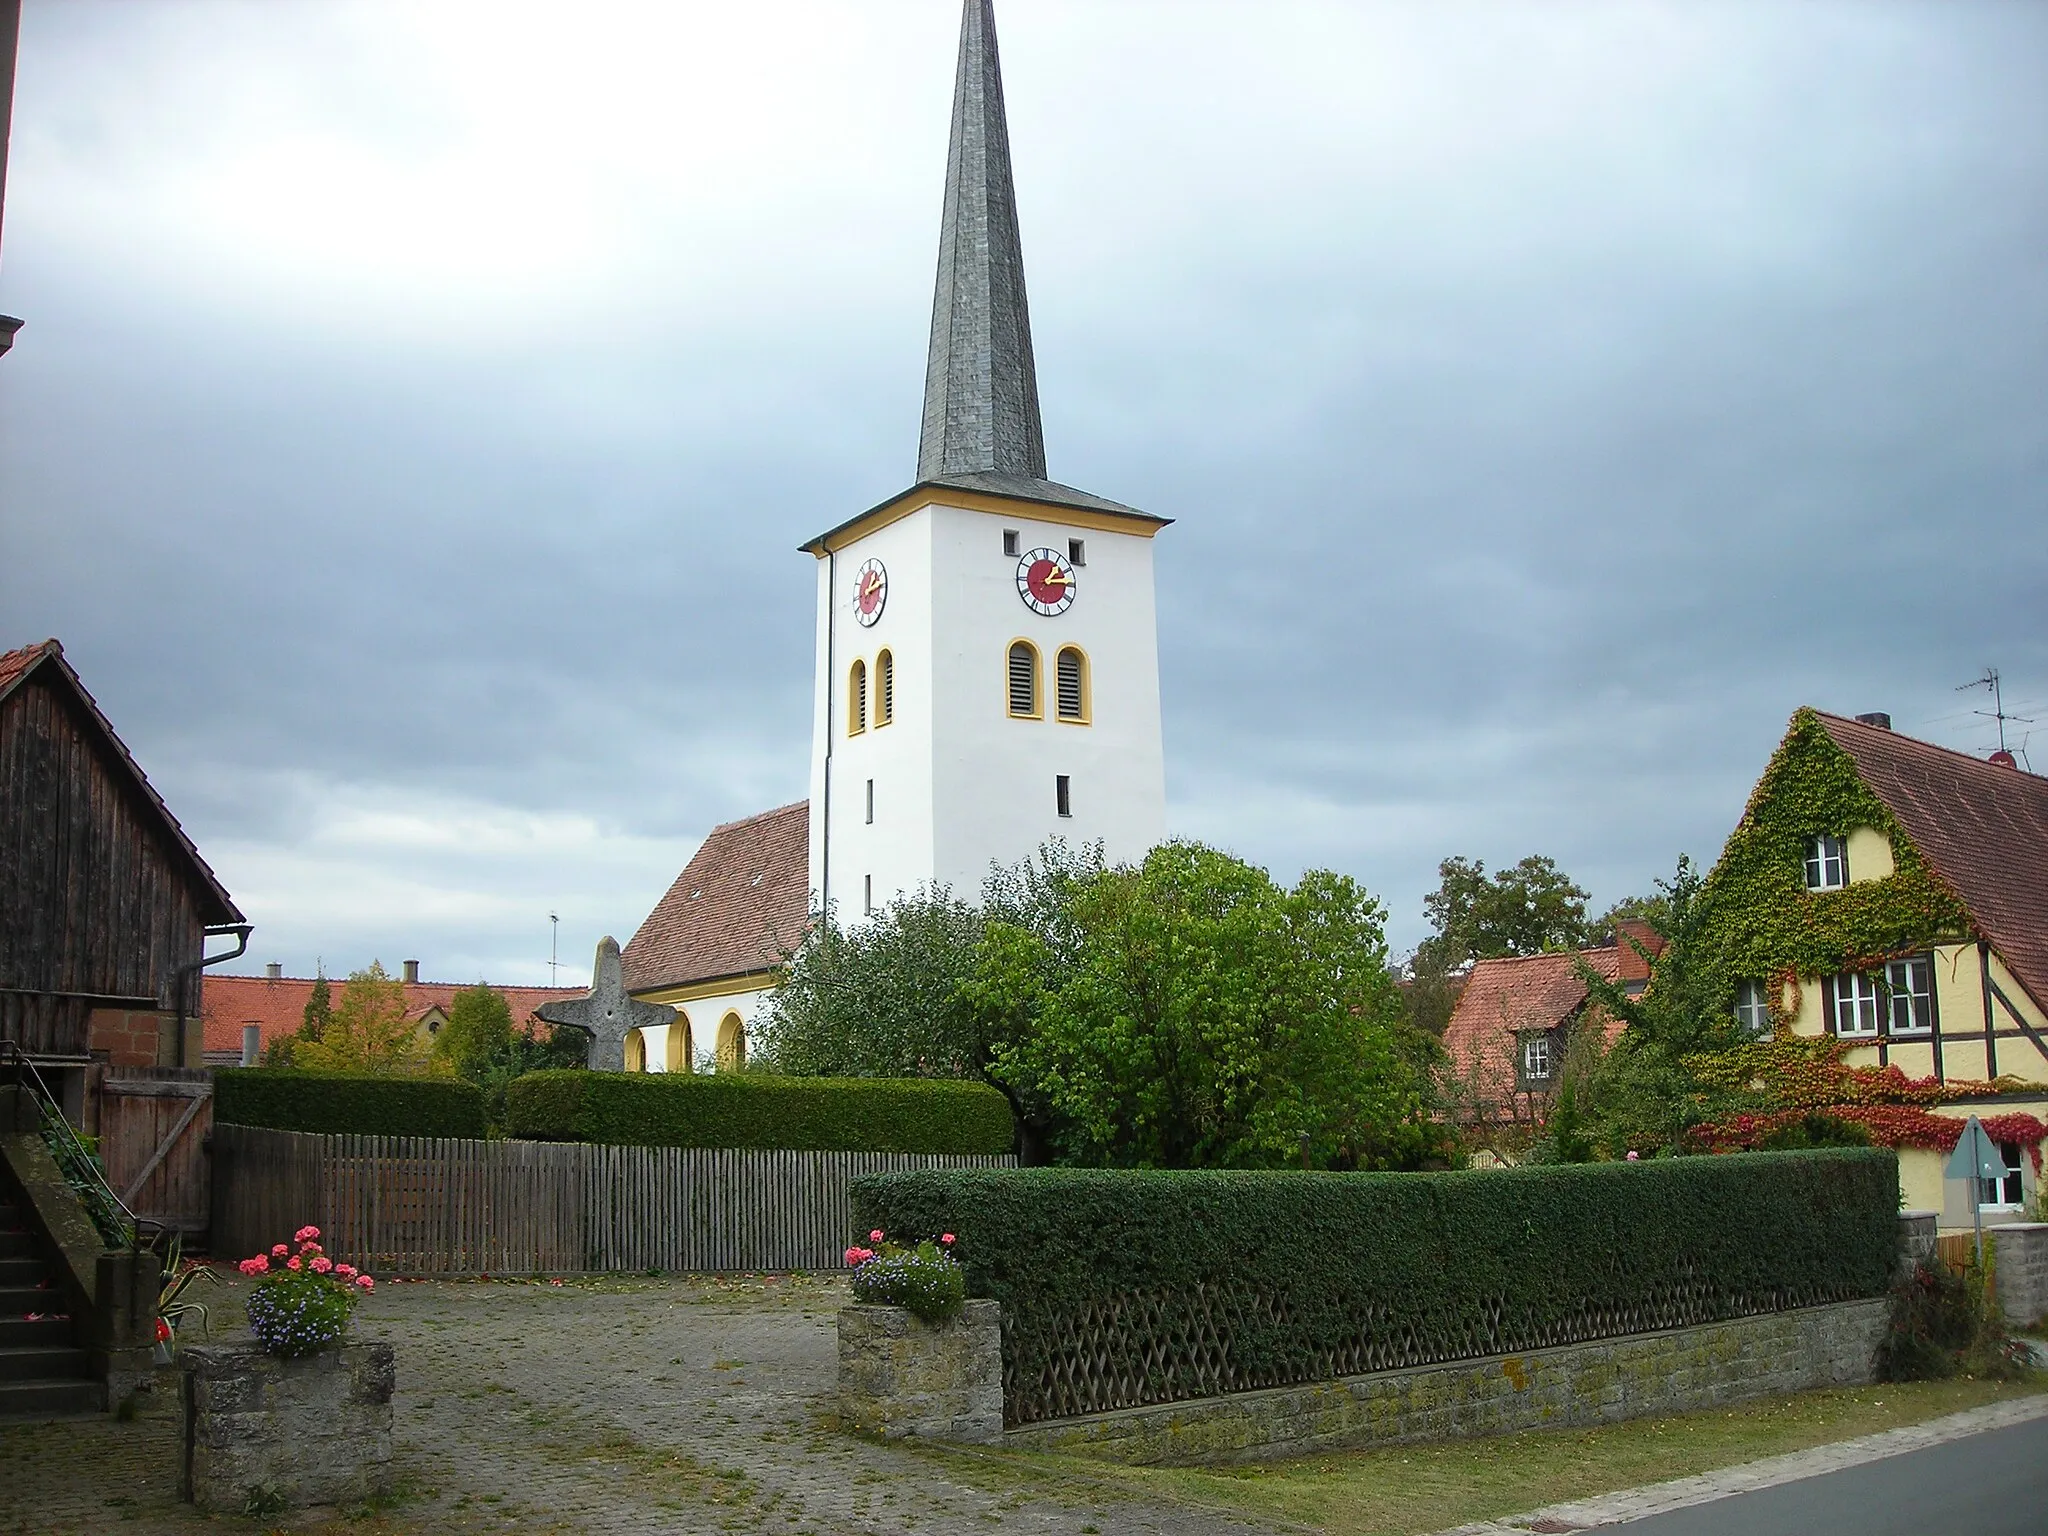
1976 1158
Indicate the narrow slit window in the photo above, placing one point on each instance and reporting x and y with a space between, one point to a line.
1072 668
885 688
1024 681
857 699
867 895
1011 542
1063 794
1077 551
871 802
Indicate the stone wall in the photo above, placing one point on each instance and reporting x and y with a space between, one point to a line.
899 1376
311 1431
2021 1262
1650 1373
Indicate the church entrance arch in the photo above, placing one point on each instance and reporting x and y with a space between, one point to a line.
681 1055
636 1051
732 1043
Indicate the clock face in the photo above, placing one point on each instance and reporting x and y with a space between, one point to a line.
1045 580
870 591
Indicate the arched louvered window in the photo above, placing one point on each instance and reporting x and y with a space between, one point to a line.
885 688
1071 684
857 699
1024 681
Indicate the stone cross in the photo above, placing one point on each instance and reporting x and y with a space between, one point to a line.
606 1014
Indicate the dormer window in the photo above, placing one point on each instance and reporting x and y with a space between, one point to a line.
1827 862
1536 1060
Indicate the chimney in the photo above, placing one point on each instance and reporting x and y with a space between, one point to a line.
412 971
1876 717
274 971
252 1043
1633 966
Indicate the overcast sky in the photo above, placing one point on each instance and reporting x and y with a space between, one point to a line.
420 405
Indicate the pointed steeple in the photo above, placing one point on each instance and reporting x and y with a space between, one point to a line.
980 386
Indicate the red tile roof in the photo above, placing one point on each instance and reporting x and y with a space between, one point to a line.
277 1007
740 905
1521 992
1982 826
217 908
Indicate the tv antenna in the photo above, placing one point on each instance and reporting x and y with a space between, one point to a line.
1997 709
554 947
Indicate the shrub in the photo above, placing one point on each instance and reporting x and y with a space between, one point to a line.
1943 1323
336 1103
921 1277
805 1114
1224 1281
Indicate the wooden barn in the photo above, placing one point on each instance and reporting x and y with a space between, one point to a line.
105 905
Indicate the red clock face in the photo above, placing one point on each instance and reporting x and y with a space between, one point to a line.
1045 581
870 591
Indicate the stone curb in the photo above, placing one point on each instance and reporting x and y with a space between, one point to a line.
1656 1498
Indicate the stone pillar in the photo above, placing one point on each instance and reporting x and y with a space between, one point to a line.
315 1430
1916 1238
899 1376
2020 1262
123 1329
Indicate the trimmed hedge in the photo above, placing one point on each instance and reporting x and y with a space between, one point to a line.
336 1103
800 1114
1120 1288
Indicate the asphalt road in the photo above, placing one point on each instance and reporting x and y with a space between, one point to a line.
1993 1484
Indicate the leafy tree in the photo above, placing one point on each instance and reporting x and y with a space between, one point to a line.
1654 909
1191 1012
368 1032
1522 910
478 1030
1430 995
312 1023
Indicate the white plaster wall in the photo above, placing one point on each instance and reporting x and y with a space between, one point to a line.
896 849
704 1014
992 777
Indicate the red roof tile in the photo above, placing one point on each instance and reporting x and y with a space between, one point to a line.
278 1006
1521 992
1982 826
740 905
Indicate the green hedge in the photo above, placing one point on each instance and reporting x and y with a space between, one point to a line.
804 1114
341 1103
1121 1288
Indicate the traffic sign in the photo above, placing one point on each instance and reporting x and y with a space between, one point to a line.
1975 1156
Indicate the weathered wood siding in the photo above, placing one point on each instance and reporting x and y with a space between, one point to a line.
96 898
153 1127
419 1206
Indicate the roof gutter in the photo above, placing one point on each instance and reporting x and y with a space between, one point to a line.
187 972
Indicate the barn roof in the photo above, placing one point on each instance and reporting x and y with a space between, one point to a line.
46 662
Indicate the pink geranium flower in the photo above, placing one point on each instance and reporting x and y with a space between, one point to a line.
292 1264
365 1282
321 1264
305 1234
344 1271
279 1250
946 1238
875 1236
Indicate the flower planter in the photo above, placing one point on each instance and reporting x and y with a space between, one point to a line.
900 1376
260 1428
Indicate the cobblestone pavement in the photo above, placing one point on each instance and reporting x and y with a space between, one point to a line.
606 1406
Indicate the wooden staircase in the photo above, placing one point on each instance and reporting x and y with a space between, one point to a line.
43 1371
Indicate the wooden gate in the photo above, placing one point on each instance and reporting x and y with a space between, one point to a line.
153 1127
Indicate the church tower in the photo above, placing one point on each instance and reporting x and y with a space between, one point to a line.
987 650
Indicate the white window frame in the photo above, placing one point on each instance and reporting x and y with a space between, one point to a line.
1855 997
1533 1047
1827 862
1753 1008
1902 996
2010 1192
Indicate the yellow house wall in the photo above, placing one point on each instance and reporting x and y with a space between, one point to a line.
1870 855
1959 1008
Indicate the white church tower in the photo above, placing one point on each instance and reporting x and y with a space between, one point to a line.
988 656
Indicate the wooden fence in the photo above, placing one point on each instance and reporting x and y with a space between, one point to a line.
415 1205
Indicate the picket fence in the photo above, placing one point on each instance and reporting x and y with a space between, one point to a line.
415 1205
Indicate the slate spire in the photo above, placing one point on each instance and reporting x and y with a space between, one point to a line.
980 387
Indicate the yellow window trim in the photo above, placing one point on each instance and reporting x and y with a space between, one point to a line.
1037 679
856 697
1087 715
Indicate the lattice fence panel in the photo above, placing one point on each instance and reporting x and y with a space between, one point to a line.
1135 1348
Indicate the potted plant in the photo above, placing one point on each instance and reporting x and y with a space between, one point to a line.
916 1356
302 1414
174 1306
